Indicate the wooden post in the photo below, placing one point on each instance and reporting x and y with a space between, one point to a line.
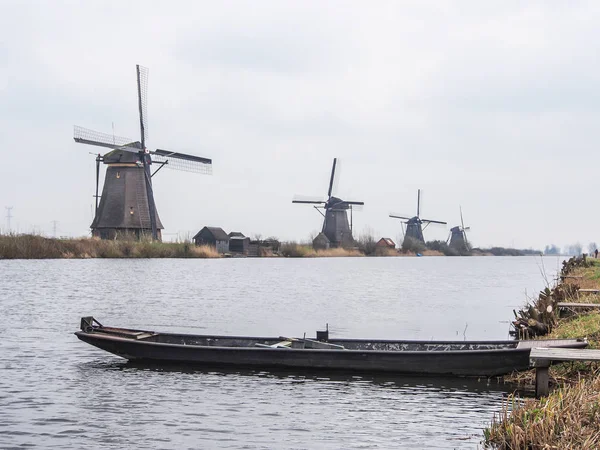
541 381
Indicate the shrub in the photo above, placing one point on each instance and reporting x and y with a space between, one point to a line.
413 245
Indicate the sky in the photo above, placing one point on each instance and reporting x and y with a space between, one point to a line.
492 106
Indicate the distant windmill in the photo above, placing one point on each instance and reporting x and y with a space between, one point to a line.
127 205
336 227
458 236
414 225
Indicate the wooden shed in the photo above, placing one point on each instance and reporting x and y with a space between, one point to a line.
385 243
213 236
238 243
321 242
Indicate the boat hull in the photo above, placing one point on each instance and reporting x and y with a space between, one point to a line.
474 363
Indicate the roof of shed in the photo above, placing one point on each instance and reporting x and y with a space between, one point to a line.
387 241
218 233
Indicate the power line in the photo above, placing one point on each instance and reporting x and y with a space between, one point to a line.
54 222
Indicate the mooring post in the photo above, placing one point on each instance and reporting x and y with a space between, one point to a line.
541 381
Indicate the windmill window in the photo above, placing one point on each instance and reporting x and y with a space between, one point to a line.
131 210
119 176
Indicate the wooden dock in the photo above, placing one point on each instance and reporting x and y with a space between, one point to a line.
542 358
575 277
577 305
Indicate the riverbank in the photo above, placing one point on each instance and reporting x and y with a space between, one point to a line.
28 246
570 416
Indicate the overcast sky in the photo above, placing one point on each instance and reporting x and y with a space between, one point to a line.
490 105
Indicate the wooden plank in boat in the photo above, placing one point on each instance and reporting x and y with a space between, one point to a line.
144 335
309 343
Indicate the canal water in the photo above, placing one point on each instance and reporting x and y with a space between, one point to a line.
58 392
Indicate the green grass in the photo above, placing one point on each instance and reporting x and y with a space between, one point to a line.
583 325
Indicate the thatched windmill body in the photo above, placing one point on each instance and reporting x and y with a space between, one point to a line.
458 236
414 225
336 227
127 207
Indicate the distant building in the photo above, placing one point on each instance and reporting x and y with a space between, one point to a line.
267 247
321 242
213 236
238 243
385 243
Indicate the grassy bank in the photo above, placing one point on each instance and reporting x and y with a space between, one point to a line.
570 416
25 246
293 250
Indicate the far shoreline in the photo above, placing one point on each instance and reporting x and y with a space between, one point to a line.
29 246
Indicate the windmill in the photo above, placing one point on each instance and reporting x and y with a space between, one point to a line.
336 227
458 236
127 206
414 225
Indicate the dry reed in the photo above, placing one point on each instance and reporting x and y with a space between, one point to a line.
569 418
37 247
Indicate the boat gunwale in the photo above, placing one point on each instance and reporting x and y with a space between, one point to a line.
106 330
106 337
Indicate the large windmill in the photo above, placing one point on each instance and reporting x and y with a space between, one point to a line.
127 205
335 224
458 236
414 225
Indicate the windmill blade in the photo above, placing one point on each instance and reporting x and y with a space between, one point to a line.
308 200
182 161
462 223
97 138
395 216
466 228
434 221
329 191
142 82
354 203
418 202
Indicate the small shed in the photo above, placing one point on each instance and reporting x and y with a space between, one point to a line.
238 243
321 242
385 243
213 236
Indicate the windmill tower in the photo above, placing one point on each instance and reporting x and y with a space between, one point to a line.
414 225
127 207
458 236
336 227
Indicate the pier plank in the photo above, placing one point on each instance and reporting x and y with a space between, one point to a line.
577 305
541 358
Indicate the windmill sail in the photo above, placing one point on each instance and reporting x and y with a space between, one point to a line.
182 161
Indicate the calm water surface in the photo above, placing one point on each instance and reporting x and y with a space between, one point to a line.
57 392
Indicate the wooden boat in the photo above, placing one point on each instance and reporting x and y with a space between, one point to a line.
456 358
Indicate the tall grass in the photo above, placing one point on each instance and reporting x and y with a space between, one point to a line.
569 418
26 246
293 250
